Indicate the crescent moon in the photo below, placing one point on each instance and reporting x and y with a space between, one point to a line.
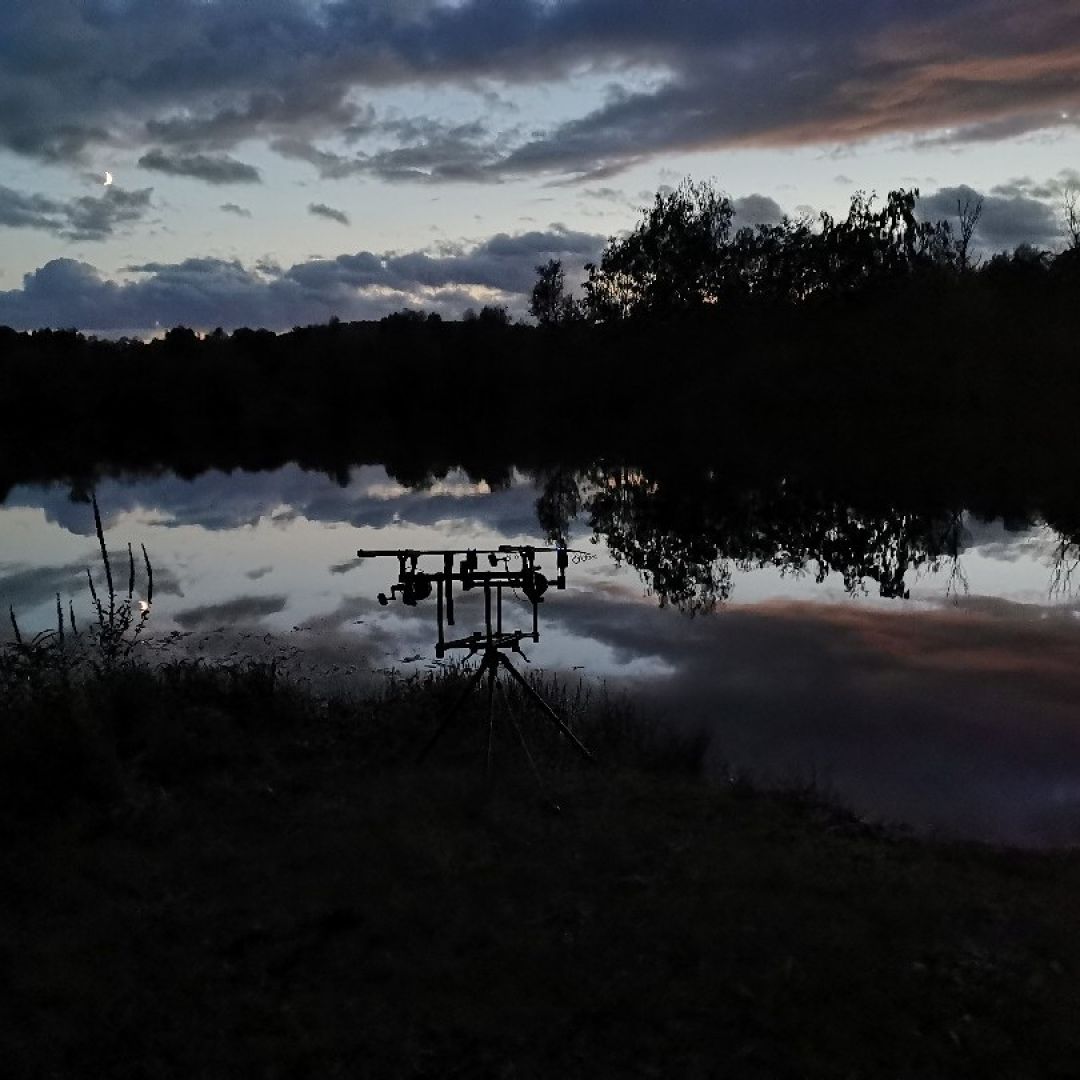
108 179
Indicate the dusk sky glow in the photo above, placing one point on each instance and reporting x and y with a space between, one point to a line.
280 162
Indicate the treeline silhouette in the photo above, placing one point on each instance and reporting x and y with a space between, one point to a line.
873 344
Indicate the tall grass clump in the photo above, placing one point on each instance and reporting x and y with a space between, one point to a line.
112 636
119 620
60 689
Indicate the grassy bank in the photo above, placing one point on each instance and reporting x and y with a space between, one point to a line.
208 872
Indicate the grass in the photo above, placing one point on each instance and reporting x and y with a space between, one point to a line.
209 872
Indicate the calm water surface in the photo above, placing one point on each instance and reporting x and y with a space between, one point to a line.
952 708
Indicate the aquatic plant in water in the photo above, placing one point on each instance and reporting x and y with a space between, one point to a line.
119 619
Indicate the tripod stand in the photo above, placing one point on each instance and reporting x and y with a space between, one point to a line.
415 585
492 660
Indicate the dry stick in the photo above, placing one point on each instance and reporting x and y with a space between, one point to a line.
104 558
131 572
59 620
15 626
94 597
149 577
71 617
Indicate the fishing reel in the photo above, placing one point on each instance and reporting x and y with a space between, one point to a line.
508 567
412 586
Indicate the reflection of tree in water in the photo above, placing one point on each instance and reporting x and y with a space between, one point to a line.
687 532
1065 560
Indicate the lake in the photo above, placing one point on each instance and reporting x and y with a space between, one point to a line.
920 664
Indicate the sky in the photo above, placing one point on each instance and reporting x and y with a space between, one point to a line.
278 162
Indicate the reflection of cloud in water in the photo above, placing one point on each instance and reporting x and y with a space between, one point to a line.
333 661
239 611
996 540
26 587
345 567
1000 607
215 500
961 721
23 588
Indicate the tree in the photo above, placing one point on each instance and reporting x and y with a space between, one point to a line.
675 261
1070 206
494 315
682 256
969 211
548 301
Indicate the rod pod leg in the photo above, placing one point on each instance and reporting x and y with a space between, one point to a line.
492 672
546 709
545 798
474 680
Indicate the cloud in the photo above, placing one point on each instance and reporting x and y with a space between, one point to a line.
607 194
328 212
87 217
1010 218
264 111
233 208
929 718
504 262
214 169
423 150
203 78
757 210
208 292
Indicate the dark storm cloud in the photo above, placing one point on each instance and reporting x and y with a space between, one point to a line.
88 217
328 212
757 210
503 262
201 76
198 292
1007 219
213 168
300 108
763 76
207 292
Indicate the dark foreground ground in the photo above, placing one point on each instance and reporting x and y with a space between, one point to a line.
224 879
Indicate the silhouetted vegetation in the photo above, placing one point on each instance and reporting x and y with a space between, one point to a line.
869 338
685 258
